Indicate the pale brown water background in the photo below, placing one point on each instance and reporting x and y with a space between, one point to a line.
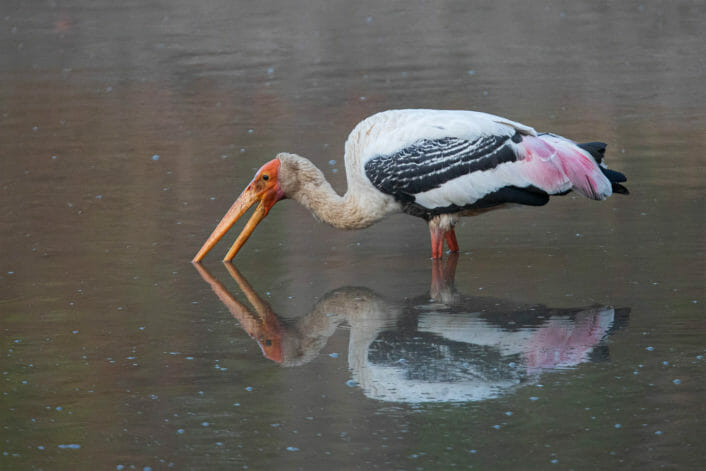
128 128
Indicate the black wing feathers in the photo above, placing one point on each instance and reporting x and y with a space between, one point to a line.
429 163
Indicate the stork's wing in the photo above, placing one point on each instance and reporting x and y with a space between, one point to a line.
450 174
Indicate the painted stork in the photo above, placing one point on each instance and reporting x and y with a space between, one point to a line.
434 164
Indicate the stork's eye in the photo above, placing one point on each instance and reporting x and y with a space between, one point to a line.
265 177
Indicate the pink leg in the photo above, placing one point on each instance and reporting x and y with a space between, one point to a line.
437 241
450 237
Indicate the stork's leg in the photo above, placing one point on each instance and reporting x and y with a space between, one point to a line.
437 241
450 237
441 228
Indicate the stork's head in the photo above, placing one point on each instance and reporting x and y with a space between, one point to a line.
264 189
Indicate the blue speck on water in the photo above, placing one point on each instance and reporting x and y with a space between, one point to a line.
658 432
180 431
249 388
205 424
676 381
650 348
351 383
471 72
533 398
99 197
155 157
70 446
473 452
508 413
333 355
618 426
332 162
120 467
292 448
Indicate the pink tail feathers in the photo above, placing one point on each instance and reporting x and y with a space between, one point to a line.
575 163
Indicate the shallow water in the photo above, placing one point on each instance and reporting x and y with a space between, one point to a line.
569 335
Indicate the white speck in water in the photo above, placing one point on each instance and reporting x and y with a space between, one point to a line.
99 197
351 383
658 432
369 19
250 131
205 424
70 446
333 355
676 381
508 413
53 157
249 388
292 448
650 348
533 398
155 157
332 162
180 431
618 426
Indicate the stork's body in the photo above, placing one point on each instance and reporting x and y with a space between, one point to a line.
433 164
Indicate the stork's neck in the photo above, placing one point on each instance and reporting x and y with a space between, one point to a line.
302 181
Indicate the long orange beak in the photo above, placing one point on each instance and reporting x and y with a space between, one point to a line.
263 188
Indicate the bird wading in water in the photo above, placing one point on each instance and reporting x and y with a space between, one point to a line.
434 164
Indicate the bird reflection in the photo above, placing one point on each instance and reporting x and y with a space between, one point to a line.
440 347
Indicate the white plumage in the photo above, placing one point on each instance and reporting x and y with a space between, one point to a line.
434 164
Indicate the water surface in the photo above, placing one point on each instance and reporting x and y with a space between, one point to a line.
568 335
